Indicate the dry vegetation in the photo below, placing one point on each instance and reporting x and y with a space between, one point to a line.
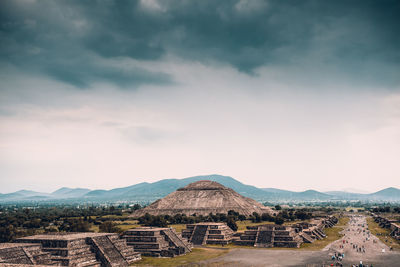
178 227
196 256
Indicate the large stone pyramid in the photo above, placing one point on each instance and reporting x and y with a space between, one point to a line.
202 198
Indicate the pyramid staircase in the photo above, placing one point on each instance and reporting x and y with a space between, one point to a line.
107 252
199 234
208 233
270 236
30 254
306 237
182 246
84 249
156 242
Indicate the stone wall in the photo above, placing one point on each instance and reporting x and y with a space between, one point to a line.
269 235
208 233
85 249
393 225
29 254
157 242
272 235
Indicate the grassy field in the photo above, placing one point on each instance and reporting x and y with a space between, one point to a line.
178 227
382 234
354 209
243 224
332 234
197 255
123 225
128 224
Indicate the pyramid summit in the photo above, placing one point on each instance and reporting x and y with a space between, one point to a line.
203 185
202 198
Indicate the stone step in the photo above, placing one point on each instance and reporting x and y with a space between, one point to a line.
92 263
108 251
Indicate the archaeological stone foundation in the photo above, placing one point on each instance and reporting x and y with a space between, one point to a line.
70 249
157 242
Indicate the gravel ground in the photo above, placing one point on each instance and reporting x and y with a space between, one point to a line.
356 233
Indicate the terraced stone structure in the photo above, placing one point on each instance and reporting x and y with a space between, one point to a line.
330 221
157 242
384 222
313 230
388 223
395 231
208 233
27 254
202 198
85 249
270 235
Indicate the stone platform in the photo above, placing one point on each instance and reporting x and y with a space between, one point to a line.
27 254
393 224
157 242
270 235
208 233
85 249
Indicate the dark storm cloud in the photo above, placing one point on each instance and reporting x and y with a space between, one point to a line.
64 39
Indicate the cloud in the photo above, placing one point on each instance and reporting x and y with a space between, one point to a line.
270 92
355 40
258 129
55 45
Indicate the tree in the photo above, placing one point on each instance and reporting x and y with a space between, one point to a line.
158 221
233 213
302 215
241 217
109 227
279 220
278 207
75 225
256 217
267 217
7 233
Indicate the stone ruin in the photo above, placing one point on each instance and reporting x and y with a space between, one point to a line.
388 223
157 242
202 198
27 254
330 221
270 235
311 231
383 222
70 249
208 233
395 231
314 230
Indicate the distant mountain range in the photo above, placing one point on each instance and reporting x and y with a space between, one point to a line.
148 192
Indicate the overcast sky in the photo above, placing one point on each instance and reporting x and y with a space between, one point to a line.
288 94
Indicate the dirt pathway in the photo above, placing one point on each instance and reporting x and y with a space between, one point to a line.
358 244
